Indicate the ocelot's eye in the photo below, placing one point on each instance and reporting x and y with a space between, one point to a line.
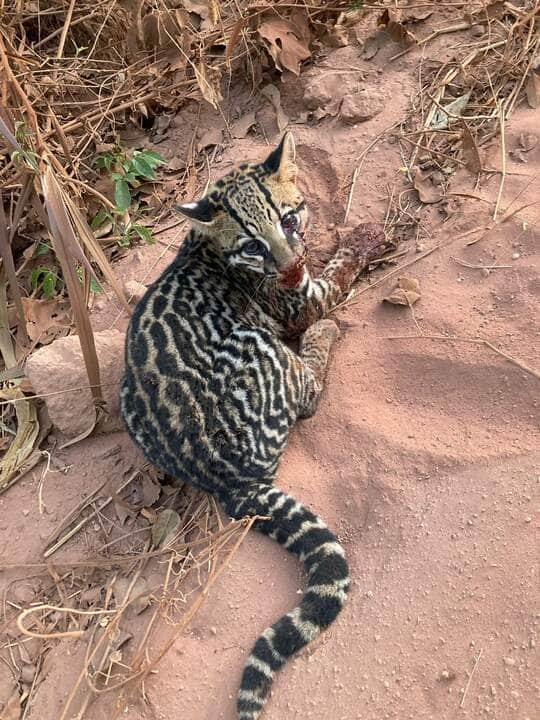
289 222
254 247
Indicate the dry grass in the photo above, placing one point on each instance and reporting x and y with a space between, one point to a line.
126 624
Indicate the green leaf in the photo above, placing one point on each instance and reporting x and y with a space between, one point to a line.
104 161
49 285
99 218
122 196
42 249
95 287
143 167
34 277
144 233
46 278
116 176
154 159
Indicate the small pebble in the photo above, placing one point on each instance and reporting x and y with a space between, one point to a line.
509 661
516 256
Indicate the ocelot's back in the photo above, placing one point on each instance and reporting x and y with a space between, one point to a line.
211 391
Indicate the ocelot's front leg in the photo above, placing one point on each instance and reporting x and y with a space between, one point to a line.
300 307
314 353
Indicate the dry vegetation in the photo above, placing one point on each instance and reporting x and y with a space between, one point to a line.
72 78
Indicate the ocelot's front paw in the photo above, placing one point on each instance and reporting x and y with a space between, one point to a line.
367 241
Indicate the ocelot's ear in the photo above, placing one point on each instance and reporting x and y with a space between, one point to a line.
282 161
201 211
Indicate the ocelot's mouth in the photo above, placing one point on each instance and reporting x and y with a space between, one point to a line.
293 273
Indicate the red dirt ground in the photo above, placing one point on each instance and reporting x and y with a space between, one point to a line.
424 455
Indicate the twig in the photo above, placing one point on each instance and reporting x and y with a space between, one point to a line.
351 191
476 661
503 156
466 264
434 34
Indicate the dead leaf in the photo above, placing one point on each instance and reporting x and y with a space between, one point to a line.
527 142
151 490
140 594
406 292
452 110
518 155
233 37
392 20
208 85
213 12
427 191
272 93
199 8
12 709
120 637
210 137
337 37
532 88
28 673
471 155
242 126
284 44
45 319
416 14
165 527
370 48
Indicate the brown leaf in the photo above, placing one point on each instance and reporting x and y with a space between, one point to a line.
427 191
532 88
370 48
242 126
208 85
199 8
213 12
338 37
416 14
527 142
45 319
165 527
392 21
151 490
233 38
210 137
272 93
284 44
140 594
406 292
471 155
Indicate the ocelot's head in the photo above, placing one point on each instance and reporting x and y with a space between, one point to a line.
256 216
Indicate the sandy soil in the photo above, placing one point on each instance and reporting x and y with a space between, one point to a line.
424 455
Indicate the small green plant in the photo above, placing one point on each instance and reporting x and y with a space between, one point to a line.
127 173
95 288
24 154
44 279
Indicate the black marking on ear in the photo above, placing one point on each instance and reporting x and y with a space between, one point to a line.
273 161
202 210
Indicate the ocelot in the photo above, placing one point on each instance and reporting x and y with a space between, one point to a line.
211 389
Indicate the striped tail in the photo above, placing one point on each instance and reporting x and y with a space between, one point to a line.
305 535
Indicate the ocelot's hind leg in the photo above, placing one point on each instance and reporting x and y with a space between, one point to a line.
314 352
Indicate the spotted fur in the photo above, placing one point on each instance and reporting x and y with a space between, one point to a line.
211 391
